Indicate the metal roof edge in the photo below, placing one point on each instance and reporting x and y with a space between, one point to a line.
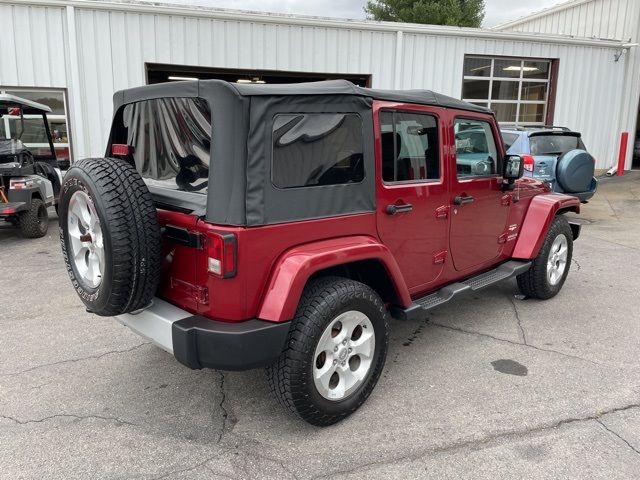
540 13
238 15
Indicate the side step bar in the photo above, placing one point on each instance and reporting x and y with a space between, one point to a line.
422 305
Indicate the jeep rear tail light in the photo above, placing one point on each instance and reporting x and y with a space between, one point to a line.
20 183
222 254
120 150
528 162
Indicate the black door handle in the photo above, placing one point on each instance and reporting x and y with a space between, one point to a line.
393 209
459 200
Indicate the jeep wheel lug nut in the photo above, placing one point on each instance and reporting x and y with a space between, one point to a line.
344 342
335 349
335 362
350 350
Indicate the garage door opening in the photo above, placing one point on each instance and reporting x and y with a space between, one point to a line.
159 73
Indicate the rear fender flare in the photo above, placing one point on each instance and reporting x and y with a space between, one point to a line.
294 268
542 210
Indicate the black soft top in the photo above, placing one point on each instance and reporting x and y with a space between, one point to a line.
240 189
329 88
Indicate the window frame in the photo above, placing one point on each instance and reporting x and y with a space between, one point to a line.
499 160
488 102
438 120
332 185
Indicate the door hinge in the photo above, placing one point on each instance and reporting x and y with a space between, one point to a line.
440 257
442 212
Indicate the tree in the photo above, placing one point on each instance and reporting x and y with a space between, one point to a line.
460 13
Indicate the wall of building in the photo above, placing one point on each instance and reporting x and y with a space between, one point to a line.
618 19
94 50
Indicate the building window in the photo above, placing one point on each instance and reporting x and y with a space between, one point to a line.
34 138
516 89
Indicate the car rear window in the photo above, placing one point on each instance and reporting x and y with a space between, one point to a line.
509 139
314 149
171 140
554 144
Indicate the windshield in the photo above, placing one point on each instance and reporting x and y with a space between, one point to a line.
30 129
554 144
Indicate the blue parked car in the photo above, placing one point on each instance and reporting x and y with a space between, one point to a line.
555 155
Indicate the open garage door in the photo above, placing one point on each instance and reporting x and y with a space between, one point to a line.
158 73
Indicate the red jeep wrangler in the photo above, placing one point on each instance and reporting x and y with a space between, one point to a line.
281 226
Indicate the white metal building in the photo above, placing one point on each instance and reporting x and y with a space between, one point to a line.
76 53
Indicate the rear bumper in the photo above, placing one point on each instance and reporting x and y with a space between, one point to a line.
12 208
199 342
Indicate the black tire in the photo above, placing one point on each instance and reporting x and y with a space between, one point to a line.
291 376
34 223
130 231
535 282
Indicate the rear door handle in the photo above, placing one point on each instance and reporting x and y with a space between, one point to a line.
393 209
460 200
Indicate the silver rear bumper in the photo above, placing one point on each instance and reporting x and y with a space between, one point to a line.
155 322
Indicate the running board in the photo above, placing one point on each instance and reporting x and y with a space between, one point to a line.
422 305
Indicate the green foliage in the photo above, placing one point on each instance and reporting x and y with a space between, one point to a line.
460 13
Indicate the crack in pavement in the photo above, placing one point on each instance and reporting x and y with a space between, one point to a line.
523 336
527 345
187 469
223 409
614 243
74 360
576 262
616 434
474 444
67 415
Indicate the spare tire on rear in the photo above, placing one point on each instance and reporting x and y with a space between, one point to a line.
110 236
575 171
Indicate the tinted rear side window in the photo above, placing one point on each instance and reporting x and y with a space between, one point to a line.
314 149
554 144
171 140
509 139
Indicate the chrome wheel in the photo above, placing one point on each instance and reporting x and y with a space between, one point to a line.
85 239
344 355
557 261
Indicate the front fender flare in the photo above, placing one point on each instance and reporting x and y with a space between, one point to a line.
294 268
542 210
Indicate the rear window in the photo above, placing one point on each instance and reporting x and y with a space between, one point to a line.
554 144
509 139
171 140
314 149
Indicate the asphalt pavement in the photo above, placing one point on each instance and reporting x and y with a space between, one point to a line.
490 386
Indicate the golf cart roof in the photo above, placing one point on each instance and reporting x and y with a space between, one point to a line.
28 106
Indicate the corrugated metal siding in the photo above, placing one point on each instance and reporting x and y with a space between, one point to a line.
582 102
114 45
618 19
32 46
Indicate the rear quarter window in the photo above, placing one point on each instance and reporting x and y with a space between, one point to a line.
171 140
315 149
509 139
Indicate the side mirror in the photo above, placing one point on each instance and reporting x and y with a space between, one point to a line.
513 169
